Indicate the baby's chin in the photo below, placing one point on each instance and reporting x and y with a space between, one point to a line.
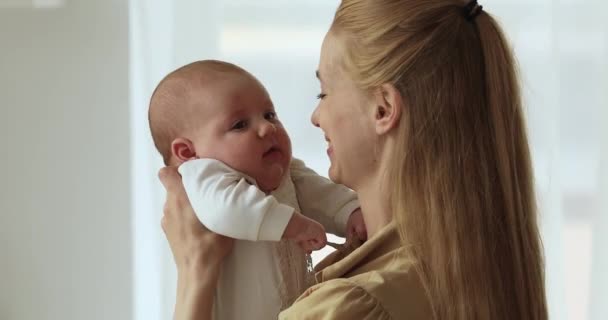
273 176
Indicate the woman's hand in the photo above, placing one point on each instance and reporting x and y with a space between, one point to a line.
190 242
198 252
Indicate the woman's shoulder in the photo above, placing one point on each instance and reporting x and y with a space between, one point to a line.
370 295
336 299
399 291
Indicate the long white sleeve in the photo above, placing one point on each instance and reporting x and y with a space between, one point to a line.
322 200
228 204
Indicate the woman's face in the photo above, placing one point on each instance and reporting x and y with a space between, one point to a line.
345 114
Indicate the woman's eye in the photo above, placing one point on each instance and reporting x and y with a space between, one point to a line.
239 125
321 95
271 115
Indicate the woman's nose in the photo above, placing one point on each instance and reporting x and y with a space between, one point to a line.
314 118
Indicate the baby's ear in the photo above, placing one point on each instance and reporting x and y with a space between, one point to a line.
182 150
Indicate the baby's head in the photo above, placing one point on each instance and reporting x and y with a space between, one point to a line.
214 109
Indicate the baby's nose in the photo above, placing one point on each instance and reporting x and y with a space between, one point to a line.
267 128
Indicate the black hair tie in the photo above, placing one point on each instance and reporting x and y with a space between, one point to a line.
472 10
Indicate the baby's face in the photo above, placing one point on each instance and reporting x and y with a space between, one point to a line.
242 130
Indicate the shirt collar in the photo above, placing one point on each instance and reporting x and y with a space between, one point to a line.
349 257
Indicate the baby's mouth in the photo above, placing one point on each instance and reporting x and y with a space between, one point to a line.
272 151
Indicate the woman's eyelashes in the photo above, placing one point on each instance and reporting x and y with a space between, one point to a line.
321 95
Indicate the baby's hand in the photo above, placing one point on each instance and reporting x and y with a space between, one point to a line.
355 227
307 233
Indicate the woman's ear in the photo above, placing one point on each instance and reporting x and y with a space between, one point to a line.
182 149
389 105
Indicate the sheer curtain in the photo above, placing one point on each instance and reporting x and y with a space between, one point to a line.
562 47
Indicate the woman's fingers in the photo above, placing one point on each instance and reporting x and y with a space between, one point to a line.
177 201
170 178
187 236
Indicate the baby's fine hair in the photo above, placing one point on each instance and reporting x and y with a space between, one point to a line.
169 112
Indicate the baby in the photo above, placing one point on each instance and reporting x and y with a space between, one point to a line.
218 124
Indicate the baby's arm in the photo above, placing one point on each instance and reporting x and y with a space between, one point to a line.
226 203
322 200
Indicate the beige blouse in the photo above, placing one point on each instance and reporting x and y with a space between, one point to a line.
375 280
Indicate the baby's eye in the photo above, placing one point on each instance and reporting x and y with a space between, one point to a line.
270 115
239 125
321 95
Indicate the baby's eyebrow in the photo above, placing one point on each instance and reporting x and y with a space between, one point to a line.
232 115
318 74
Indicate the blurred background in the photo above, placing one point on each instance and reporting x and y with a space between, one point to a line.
80 204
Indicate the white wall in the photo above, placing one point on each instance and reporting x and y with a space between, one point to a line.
65 239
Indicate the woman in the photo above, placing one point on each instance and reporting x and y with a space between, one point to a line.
420 106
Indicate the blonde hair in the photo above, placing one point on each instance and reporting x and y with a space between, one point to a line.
461 178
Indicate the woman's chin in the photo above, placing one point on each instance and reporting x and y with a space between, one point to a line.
337 176
333 174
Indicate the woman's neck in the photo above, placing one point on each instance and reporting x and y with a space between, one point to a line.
375 206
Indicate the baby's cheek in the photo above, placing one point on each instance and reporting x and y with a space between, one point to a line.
285 143
236 159
286 139
244 163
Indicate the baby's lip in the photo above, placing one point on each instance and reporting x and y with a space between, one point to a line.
270 150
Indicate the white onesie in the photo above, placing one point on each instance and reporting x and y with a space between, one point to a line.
263 274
